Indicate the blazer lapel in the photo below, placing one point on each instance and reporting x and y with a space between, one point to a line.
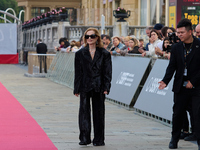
86 54
182 53
97 55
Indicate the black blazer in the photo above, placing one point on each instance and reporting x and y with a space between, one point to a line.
177 64
41 48
92 74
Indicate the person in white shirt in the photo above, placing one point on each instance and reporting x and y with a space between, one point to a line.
155 37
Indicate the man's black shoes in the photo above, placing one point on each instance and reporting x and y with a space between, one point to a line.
173 144
191 137
198 142
183 135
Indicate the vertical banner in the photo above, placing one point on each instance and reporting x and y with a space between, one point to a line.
8 38
172 16
172 13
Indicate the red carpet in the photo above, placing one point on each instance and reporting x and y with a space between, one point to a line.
18 130
9 59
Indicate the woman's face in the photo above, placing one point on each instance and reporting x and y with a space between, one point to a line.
126 42
115 42
91 40
131 43
166 42
154 36
62 43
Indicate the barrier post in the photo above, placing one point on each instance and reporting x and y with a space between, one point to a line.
30 64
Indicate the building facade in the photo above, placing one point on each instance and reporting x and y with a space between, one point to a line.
34 8
89 12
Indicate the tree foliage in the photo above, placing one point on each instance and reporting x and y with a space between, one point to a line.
4 4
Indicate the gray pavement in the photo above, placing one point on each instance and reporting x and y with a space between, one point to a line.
55 109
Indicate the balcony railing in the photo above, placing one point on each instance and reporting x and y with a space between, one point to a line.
51 33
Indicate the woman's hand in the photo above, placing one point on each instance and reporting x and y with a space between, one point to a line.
168 55
158 51
76 95
105 92
117 50
143 54
141 50
68 50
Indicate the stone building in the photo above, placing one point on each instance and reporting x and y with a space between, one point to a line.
34 8
88 12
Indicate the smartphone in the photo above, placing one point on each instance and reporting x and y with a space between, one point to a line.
185 83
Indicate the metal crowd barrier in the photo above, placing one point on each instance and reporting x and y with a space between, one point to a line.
39 63
62 69
134 83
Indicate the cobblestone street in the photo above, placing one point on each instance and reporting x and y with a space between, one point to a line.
55 108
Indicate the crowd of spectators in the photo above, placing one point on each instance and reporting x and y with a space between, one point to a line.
161 38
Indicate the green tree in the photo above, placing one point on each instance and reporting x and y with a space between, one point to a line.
4 4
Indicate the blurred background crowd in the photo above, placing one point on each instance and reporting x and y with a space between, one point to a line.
161 39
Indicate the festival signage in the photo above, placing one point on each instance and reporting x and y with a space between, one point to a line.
189 9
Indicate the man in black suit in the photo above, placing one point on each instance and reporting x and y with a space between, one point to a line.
42 49
185 61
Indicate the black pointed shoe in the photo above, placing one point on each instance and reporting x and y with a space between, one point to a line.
99 144
84 143
173 144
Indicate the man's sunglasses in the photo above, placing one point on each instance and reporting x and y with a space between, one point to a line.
92 36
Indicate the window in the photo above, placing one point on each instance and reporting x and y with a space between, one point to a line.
38 11
162 12
143 13
153 5
117 3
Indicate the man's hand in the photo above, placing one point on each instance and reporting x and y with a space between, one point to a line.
162 85
76 95
189 85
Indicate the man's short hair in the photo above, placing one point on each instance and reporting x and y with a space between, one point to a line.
185 23
141 40
40 40
107 37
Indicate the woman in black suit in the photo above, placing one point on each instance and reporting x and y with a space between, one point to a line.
93 73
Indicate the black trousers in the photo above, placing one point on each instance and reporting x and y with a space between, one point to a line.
186 120
186 99
43 59
98 109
